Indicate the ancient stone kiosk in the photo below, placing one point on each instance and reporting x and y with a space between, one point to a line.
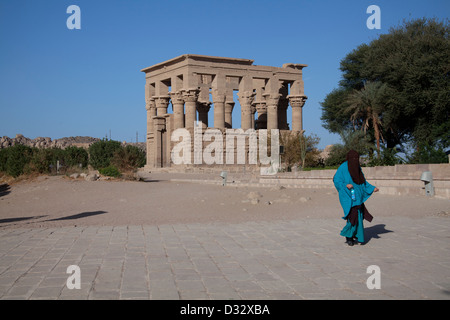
195 84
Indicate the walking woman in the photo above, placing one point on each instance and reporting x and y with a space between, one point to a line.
353 190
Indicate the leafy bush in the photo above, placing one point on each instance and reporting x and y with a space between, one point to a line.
355 140
74 156
18 157
3 159
129 158
388 157
110 155
299 149
110 171
428 153
102 152
41 160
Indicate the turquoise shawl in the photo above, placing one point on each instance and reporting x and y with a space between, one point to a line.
362 191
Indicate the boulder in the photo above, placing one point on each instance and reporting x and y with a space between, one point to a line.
91 177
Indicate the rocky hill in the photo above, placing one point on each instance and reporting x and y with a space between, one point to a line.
41 142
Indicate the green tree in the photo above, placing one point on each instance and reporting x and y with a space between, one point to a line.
412 61
366 106
355 140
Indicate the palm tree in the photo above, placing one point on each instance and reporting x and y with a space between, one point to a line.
366 106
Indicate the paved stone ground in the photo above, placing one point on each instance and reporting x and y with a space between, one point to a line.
299 259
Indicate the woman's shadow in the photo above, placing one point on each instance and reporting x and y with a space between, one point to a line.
374 232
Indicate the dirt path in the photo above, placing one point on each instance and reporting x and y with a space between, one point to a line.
50 201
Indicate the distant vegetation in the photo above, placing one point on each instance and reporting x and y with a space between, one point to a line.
112 155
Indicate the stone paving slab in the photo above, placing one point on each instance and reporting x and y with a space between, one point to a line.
299 259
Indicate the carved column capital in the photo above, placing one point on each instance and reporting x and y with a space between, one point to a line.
150 104
176 97
162 101
260 107
272 99
297 101
246 97
190 95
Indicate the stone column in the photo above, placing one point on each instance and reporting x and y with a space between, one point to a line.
297 103
151 112
178 109
229 106
245 100
190 97
252 112
272 110
162 102
203 109
158 151
219 109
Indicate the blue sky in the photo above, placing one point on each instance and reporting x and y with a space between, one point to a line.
56 82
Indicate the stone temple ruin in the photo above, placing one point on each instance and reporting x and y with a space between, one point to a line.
193 84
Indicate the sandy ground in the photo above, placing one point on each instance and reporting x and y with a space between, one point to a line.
54 201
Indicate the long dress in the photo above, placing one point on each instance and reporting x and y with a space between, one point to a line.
362 193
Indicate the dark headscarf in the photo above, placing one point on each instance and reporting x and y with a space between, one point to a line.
354 167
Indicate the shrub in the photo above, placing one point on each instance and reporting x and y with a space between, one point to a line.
18 157
74 156
129 158
428 153
110 171
387 157
299 149
3 159
355 140
102 152
41 161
